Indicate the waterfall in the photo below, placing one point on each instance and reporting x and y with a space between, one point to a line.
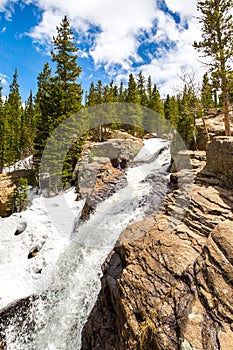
58 315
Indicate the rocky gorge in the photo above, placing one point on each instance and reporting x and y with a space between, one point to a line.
168 282
167 286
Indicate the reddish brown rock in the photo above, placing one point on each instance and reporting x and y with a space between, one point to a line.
215 126
219 160
167 285
6 189
100 173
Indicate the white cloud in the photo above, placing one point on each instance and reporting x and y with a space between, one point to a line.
3 79
174 54
184 7
119 22
117 41
3 5
3 30
6 6
43 33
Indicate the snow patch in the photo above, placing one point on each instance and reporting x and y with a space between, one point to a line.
20 276
25 163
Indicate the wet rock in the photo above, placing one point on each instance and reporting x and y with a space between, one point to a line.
97 182
33 253
167 284
100 173
21 227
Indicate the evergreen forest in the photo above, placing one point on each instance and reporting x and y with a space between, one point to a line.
26 128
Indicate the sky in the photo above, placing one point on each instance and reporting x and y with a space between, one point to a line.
114 37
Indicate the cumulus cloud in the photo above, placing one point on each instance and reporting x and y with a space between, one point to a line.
7 7
113 32
45 30
3 79
119 23
175 50
3 5
184 7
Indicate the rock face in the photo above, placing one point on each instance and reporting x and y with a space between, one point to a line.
219 160
166 286
8 183
7 187
215 126
101 171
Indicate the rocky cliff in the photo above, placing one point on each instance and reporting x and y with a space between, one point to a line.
169 286
8 183
7 187
214 124
100 173
219 160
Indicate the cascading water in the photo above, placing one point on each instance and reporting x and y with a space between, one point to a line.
59 314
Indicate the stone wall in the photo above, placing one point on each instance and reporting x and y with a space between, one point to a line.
219 160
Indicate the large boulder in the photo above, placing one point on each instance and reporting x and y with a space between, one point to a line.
219 160
170 289
97 181
100 173
7 187
8 183
214 123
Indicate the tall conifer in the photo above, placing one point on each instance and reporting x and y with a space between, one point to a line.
13 112
67 71
217 43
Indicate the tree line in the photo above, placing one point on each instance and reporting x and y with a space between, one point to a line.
24 130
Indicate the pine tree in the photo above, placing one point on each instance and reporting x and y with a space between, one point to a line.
142 90
114 92
19 200
230 84
67 72
2 132
13 112
67 94
217 43
91 96
132 95
44 111
171 110
99 92
186 122
206 94
122 93
149 88
27 129
110 93
155 101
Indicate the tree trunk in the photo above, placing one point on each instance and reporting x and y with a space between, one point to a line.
226 107
205 127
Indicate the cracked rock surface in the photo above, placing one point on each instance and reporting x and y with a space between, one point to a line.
169 286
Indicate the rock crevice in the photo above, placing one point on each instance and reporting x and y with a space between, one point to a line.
166 286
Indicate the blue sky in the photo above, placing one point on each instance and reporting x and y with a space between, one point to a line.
115 38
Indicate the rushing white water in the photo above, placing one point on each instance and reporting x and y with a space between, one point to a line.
61 312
